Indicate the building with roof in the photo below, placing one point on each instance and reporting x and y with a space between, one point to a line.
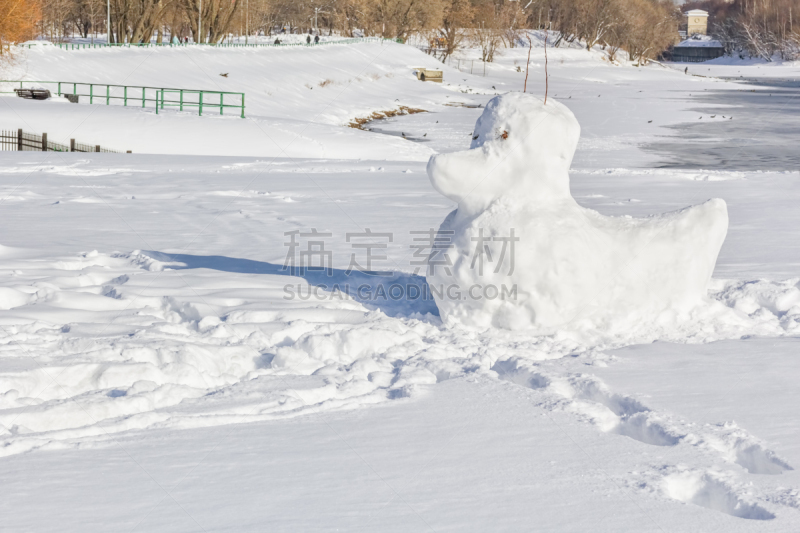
697 22
697 48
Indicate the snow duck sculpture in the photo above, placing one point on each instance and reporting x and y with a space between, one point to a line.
520 253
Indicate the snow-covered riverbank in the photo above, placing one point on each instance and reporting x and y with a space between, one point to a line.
145 294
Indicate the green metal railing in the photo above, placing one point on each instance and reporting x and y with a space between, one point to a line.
125 95
83 46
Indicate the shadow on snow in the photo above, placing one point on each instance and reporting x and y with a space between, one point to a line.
394 293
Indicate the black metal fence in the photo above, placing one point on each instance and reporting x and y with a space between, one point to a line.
20 141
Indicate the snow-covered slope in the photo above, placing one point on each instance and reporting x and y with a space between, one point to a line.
278 82
298 100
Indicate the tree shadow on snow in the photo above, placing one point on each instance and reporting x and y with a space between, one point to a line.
394 293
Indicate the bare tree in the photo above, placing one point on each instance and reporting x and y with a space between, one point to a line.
456 20
487 32
18 21
651 27
55 21
211 24
511 18
401 18
595 19
755 28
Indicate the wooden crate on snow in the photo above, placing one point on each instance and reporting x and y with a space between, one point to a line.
424 74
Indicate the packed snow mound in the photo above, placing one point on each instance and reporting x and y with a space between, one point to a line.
520 253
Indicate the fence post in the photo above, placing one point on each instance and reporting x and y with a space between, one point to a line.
242 105
72 145
91 93
125 92
144 91
19 140
157 91
108 94
181 106
221 99
97 148
201 104
44 142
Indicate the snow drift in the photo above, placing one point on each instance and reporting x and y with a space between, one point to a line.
518 231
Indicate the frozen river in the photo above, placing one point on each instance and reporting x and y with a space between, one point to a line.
760 130
763 134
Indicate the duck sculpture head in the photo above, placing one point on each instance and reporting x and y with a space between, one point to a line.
521 149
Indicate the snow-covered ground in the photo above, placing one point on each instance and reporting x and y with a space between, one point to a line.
162 370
